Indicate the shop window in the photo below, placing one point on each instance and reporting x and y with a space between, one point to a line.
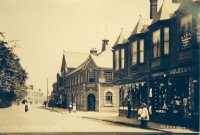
108 76
166 40
91 76
134 53
142 51
186 30
109 98
116 60
156 43
122 58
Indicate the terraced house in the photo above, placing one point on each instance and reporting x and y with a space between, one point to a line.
159 63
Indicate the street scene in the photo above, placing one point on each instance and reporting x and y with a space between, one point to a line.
99 67
44 120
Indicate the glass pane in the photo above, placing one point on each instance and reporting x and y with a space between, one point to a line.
166 47
142 45
117 60
155 51
156 36
141 57
166 33
134 47
122 53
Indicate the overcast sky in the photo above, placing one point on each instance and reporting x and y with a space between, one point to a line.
46 27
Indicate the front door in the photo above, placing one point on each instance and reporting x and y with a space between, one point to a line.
91 102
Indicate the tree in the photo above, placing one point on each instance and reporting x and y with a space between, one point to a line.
12 75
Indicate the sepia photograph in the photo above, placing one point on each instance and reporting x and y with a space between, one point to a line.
99 67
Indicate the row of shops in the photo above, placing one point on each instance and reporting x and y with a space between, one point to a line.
171 94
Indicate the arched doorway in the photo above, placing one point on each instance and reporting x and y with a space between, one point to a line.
91 100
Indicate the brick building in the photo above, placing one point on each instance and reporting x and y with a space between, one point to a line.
87 80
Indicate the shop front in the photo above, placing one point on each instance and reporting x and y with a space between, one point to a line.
174 96
131 96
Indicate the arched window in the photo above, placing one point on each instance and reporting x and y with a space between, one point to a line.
109 98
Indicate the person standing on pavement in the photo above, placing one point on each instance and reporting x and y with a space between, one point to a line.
144 115
26 106
70 107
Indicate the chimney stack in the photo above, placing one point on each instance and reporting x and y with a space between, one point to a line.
93 51
153 8
104 44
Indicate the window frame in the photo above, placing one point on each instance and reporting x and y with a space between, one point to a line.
166 48
122 66
156 44
91 73
116 59
109 98
134 52
110 74
141 50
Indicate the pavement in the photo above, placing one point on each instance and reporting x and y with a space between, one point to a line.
114 118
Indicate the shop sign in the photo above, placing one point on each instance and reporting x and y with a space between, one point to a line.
159 74
179 70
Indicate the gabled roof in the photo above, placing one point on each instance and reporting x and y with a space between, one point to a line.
74 59
141 26
104 60
166 11
122 38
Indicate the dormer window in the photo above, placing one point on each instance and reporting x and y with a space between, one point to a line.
134 53
156 43
186 31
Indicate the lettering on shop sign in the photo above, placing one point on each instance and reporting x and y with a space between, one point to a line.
179 70
160 74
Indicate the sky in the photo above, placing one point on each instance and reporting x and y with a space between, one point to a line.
45 28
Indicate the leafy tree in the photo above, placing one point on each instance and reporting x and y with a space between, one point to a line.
12 75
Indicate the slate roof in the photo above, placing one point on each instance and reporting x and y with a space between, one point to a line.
122 38
74 59
141 26
166 11
104 60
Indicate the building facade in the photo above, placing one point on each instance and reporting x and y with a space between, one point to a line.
35 97
88 83
163 63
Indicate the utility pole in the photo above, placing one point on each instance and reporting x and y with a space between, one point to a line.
47 90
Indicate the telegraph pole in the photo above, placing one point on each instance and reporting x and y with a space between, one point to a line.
47 90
